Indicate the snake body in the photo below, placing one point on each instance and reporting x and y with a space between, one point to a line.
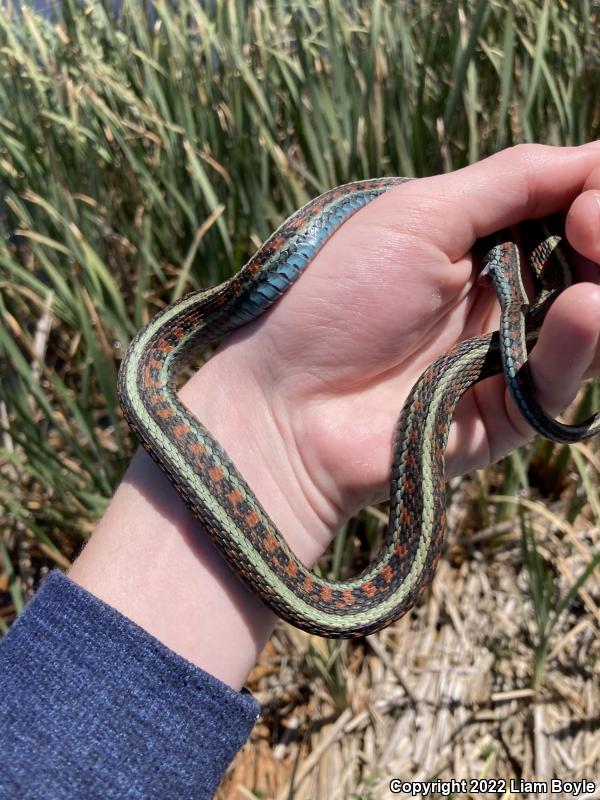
217 494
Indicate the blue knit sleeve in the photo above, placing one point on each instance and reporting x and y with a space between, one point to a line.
93 706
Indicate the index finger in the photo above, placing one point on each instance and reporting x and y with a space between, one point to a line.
522 182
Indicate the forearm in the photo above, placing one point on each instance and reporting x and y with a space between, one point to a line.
151 559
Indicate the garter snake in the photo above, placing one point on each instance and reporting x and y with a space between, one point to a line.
217 494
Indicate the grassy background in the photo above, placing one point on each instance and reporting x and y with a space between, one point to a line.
149 154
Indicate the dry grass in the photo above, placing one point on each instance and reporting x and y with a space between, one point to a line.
447 691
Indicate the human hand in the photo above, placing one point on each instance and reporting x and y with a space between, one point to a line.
326 371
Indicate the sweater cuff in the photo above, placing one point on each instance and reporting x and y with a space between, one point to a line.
95 706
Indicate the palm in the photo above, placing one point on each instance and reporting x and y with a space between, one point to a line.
337 355
346 345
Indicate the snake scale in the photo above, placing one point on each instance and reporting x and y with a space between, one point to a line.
207 480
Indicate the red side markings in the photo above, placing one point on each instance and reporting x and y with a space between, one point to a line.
149 381
235 497
180 431
216 474
252 519
291 569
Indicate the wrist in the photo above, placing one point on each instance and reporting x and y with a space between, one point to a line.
257 425
151 559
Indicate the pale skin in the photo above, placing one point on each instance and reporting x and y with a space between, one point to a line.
305 399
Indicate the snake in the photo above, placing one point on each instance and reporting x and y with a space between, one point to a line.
216 493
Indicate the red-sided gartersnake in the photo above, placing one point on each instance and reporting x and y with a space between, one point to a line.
209 483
